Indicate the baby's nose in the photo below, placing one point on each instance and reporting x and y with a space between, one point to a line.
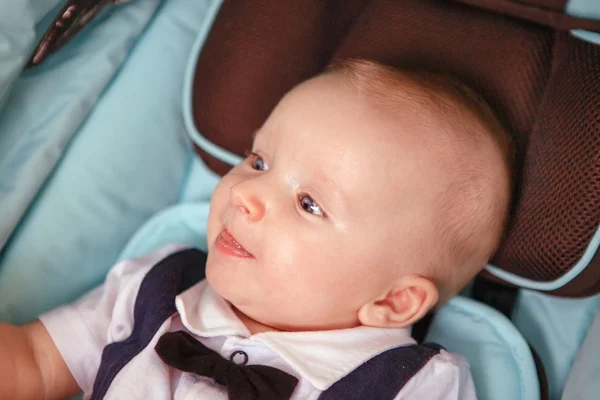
247 203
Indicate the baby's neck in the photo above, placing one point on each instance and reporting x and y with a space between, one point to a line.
253 326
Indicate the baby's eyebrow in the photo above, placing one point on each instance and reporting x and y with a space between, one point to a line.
334 193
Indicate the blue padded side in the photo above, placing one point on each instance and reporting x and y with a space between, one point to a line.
200 182
18 21
555 328
587 36
584 378
501 361
128 161
183 224
188 87
49 103
589 9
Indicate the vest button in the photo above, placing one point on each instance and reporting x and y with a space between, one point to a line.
239 357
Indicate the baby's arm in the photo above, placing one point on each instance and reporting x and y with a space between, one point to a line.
31 366
59 355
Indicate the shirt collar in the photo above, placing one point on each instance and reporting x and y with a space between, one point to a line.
321 357
205 313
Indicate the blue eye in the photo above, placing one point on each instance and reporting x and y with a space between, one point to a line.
310 206
257 162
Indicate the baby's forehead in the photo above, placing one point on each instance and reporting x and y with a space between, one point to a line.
374 167
325 121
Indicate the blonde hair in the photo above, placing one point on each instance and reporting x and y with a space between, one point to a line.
473 213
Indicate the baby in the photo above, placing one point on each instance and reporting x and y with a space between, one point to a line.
371 195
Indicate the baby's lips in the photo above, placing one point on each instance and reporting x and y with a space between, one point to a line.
230 245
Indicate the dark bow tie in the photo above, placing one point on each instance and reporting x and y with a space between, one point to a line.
253 382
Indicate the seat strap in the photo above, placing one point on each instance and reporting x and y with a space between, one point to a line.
497 295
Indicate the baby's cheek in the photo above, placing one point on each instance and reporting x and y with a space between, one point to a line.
216 216
306 261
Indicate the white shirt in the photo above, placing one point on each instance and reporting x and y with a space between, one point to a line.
318 359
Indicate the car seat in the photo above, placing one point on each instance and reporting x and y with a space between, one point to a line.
536 62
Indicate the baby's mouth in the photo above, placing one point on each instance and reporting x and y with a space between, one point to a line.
227 244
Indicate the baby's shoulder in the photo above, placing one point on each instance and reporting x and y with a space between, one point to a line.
447 375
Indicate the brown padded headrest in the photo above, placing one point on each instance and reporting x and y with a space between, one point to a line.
543 83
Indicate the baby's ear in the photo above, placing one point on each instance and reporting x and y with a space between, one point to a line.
406 302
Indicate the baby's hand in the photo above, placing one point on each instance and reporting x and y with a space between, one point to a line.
31 366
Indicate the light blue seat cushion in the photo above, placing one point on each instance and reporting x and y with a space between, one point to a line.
48 104
18 20
501 362
184 223
128 160
200 182
555 328
584 379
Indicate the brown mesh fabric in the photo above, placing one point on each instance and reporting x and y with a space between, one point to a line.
256 52
559 205
458 39
544 85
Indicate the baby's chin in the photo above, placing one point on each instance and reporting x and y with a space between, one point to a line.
213 278
222 285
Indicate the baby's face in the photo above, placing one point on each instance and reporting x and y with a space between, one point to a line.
331 206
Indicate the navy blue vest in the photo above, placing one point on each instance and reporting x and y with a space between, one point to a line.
379 378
